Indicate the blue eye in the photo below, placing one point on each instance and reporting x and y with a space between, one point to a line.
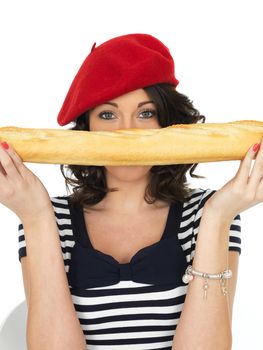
105 113
148 113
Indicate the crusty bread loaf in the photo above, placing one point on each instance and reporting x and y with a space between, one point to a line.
176 144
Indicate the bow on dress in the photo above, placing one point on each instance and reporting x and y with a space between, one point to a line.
163 262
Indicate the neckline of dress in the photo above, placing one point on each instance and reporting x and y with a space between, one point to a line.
81 234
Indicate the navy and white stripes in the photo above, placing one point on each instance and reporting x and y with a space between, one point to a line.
130 315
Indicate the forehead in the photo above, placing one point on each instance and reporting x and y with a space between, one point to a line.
132 98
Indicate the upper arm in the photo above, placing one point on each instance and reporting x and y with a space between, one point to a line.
26 279
233 260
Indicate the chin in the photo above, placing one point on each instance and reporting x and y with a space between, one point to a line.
128 172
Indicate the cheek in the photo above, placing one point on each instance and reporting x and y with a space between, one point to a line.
92 124
154 124
95 124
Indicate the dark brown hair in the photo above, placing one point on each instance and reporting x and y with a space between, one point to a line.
167 182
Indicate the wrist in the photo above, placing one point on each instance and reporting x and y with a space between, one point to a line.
211 250
41 216
223 218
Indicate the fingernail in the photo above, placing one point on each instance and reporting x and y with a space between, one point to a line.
5 145
256 147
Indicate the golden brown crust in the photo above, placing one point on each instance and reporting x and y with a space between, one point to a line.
175 144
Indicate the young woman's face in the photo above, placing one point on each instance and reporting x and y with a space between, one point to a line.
132 110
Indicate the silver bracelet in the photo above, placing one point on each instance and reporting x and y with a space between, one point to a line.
222 276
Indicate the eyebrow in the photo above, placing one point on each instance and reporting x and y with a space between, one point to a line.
116 105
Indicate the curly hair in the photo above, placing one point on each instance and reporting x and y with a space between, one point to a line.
167 182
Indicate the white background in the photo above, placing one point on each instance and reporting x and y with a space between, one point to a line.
217 47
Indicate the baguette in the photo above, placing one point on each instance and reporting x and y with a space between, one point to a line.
175 144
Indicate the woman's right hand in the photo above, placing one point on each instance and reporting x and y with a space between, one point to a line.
20 190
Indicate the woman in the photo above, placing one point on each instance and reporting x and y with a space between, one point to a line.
103 268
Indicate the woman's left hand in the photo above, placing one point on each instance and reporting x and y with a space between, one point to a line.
243 191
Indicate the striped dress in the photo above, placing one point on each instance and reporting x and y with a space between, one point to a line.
136 305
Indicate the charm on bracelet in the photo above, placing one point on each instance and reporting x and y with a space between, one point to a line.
222 276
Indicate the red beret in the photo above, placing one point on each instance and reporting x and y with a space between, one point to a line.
117 66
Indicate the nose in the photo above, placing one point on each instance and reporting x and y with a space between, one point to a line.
128 123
